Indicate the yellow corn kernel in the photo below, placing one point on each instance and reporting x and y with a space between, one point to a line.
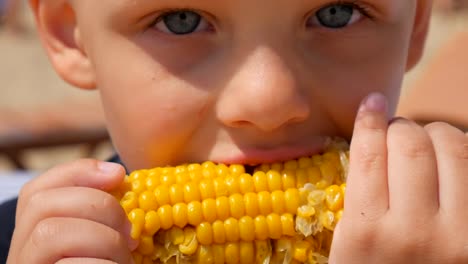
207 173
264 203
152 181
194 167
219 236
305 162
220 187
261 228
176 235
302 178
236 205
327 219
168 179
180 215
251 204
236 169
205 255
288 178
313 174
263 167
138 185
147 201
162 195
329 171
191 192
218 253
182 178
287 225
208 164
246 183
231 253
291 165
300 250
339 215
334 198
231 228
165 216
278 202
176 193
190 244
222 207
210 208
274 226
277 166
246 229
207 189
137 218
205 233
232 184
246 252
129 201
146 245
195 213
292 200
222 170
197 176
260 181
152 223
274 180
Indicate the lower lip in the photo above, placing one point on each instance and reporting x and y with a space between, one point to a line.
259 156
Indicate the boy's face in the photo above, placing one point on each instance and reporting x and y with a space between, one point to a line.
243 81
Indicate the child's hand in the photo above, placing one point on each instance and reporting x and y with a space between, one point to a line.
65 216
407 193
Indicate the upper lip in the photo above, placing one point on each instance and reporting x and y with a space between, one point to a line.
254 156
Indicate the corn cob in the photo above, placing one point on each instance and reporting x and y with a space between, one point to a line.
214 213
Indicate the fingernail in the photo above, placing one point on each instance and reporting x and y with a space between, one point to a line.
108 167
374 102
132 243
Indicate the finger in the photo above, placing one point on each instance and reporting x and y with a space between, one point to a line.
367 191
74 202
54 238
85 173
412 177
451 148
84 261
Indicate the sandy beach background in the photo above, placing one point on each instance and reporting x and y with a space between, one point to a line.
27 81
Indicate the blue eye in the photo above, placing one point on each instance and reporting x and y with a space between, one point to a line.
181 22
335 16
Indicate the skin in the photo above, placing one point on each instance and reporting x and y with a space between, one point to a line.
251 88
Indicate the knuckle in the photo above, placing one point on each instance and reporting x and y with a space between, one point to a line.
369 158
44 231
410 140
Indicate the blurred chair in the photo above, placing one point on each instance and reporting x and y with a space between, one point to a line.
441 91
67 124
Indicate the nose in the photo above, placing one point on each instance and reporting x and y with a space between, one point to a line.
264 93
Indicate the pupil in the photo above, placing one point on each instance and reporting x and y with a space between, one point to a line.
333 11
183 16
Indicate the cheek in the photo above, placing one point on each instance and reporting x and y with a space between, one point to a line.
151 114
351 69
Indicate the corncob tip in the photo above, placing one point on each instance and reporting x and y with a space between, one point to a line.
214 213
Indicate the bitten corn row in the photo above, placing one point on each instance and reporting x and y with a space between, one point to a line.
213 213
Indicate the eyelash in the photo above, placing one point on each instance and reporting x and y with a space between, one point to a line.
361 7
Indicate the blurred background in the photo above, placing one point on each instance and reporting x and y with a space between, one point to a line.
44 122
